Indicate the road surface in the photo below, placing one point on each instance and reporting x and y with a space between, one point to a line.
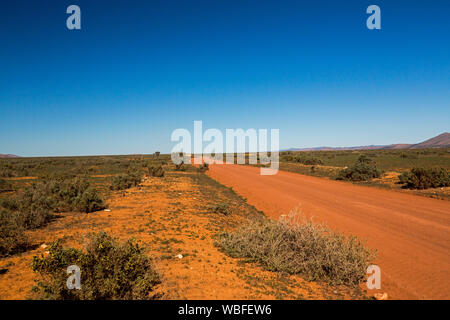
410 233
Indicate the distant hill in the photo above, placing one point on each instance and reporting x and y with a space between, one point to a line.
8 156
440 141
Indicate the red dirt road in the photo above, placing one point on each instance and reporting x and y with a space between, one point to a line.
410 233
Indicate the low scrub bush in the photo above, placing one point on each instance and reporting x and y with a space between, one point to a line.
308 161
364 169
12 234
26 215
287 158
204 167
33 218
8 170
33 207
136 174
123 181
408 156
221 207
110 270
5 185
6 173
62 195
156 171
303 159
298 246
420 178
132 178
180 167
89 201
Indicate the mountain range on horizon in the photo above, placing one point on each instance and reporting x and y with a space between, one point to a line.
8 156
440 141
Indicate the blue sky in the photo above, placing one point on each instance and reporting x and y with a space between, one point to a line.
137 70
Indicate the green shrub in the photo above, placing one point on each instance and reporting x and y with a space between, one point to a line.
62 195
132 178
156 171
287 158
308 161
6 173
301 158
408 156
204 167
11 204
33 207
89 201
221 208
33 218
109 270
122 182
421 178
363 170
27 215
12 234
5 186
8 170
180 167
298 246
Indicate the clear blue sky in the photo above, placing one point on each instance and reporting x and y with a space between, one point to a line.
140 69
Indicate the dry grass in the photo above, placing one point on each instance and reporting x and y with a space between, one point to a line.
296 245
